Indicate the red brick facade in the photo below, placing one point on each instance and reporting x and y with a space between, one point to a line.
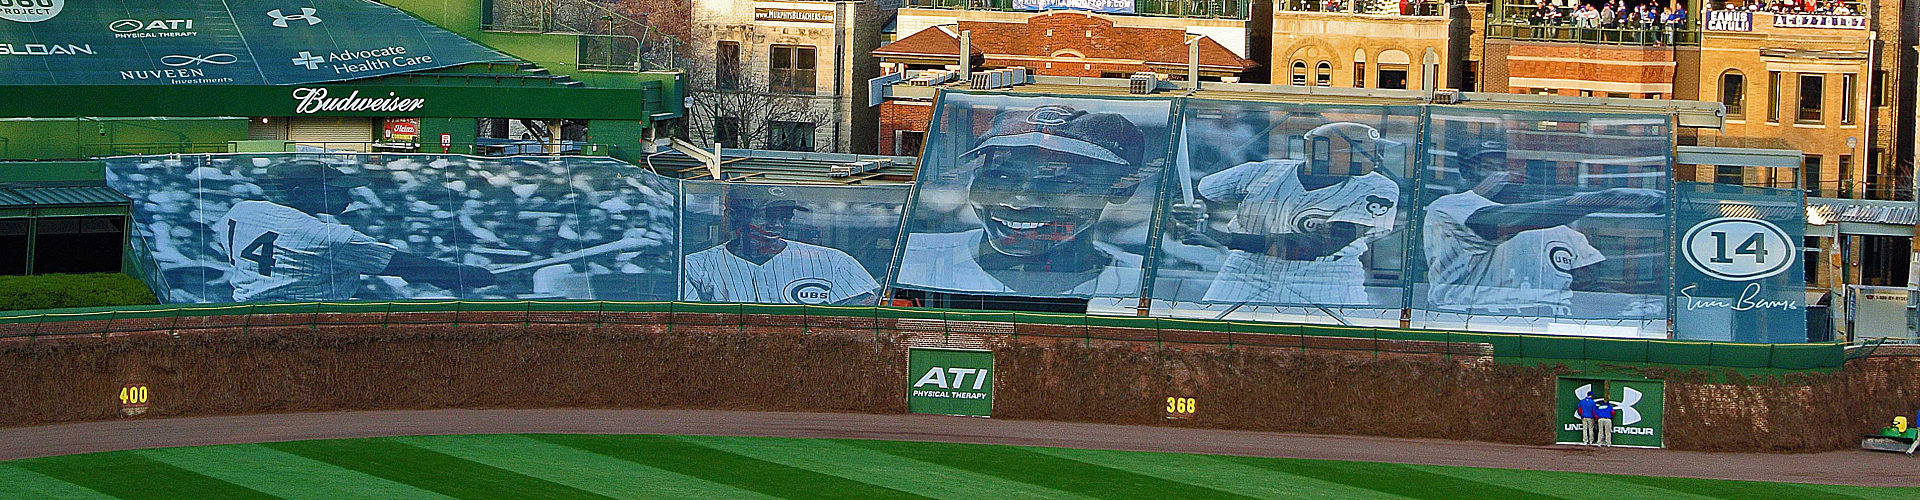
1588 67
911 116
1067 44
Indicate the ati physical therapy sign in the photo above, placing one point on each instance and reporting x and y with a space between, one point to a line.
950 382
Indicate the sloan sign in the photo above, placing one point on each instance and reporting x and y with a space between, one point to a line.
950 382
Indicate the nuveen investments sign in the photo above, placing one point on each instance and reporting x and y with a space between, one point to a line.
950 382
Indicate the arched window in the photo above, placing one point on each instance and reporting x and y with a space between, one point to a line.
1323 74
1733 93
1300 73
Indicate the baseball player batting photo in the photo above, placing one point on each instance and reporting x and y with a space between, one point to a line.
761 263
1041 179
1485 256
292 248
1299 227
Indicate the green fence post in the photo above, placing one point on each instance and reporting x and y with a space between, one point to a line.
36 326
805 326
386 320
1158 340
313 321
173 330
1086 331
456 314
875 310
116 313
600 314
248 325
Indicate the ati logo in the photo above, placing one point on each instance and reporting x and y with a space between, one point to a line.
125 27
953 378
1561 257
814 291
1628 397
280 20
1051 115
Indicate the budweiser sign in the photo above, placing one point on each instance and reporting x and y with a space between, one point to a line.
315 100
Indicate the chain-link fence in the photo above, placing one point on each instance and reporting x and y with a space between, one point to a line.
693 318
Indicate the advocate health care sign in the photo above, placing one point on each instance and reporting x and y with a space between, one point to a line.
950 382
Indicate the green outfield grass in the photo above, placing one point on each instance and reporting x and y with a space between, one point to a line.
647 466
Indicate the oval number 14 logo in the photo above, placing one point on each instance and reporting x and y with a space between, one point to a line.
1738 248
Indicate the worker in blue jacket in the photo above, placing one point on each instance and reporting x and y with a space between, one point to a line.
1584 409
1603 415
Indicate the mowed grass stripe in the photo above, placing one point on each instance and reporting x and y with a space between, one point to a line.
1577 485
1393 479
834 458
577 468
1865 491
16 482
739 471
428 470
1027 466
129 476
283 474
1734 489
1213 472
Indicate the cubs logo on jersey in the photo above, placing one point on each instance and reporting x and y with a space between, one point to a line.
813 291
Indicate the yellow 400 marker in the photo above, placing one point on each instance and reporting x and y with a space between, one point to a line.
133 395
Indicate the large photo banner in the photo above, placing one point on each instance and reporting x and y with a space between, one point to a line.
1739 275
310 227
219 42
1287 212
788 244
1544 223
1036 197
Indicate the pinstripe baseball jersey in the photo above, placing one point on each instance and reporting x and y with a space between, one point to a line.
800 274
1272 201
945 261
1469 273
280 254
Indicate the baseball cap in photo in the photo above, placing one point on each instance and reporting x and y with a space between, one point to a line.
762 196
1106 137
311 171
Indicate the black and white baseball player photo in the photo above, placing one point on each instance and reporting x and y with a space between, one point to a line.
1490 253
1040 180
294 248
1299 227
761 262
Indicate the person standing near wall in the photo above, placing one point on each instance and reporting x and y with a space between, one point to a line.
1603 415
1584 410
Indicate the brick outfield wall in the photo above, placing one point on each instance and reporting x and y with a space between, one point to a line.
819 364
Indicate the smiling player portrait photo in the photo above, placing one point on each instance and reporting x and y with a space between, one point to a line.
1039 183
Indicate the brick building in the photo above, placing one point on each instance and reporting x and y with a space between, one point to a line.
782 74
1058 43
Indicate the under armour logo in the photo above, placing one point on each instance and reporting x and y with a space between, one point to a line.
178 60
1628 398
306 14
1052 114
309 60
